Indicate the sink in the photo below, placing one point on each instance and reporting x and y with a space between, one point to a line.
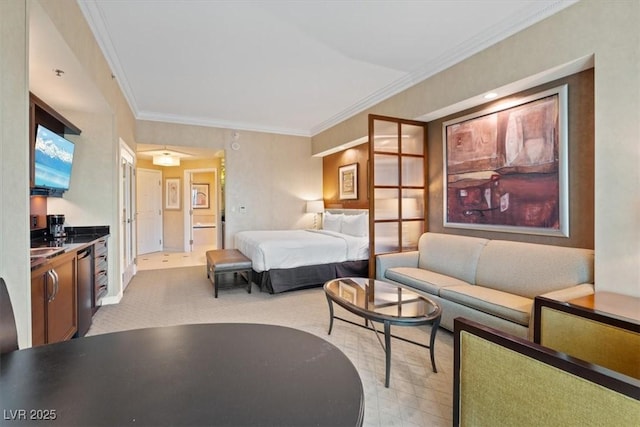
45 252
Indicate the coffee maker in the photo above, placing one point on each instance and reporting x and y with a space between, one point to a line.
55 226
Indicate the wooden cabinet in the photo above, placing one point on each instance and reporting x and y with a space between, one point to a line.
54 313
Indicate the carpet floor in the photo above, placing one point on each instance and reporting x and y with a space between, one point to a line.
416 395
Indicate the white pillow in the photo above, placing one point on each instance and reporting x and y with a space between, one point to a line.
332 222
355 225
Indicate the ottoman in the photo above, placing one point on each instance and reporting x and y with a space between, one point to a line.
222 261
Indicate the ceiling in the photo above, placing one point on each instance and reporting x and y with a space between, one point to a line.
286 67
289 67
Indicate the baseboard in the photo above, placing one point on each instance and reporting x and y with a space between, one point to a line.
111 300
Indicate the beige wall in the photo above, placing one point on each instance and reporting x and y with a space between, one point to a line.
14 162
609 32
90 199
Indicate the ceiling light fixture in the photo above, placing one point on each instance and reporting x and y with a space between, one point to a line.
166 159
490 95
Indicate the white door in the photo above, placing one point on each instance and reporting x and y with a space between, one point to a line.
149 206
127 214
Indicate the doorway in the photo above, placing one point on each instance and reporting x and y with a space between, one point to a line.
203 210
149 210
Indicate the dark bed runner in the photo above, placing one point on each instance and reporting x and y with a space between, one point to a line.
279 280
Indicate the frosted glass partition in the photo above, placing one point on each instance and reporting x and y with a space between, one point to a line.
385 170
386 237
385 137
412 139
413 204
412 171
411 232
386 204
397 150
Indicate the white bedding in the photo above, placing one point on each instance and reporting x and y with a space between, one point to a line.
296 248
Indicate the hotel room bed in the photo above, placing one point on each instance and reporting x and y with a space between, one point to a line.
284 260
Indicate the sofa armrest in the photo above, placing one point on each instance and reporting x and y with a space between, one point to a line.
400 259
570 293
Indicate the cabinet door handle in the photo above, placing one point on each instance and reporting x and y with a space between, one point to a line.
52 279
56 284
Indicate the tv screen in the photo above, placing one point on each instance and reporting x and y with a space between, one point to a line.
53 157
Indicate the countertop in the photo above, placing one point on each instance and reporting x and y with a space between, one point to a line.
77 239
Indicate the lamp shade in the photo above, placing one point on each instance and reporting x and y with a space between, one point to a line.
315 206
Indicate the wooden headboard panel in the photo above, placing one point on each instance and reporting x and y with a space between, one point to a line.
347 211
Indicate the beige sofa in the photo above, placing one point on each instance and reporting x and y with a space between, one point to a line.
492 282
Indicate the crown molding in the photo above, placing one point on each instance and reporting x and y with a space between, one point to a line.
224 124
95 18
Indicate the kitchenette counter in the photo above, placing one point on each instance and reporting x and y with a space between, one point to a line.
69 275
77 239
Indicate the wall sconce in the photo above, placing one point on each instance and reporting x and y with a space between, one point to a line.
315 207
166 159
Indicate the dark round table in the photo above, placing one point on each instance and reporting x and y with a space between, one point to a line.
228 374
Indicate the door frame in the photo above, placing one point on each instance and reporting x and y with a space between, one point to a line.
127 219
186 212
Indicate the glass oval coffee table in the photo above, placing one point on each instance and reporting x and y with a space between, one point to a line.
386 303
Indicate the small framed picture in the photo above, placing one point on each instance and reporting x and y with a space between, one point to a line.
348 181
200 196
172 193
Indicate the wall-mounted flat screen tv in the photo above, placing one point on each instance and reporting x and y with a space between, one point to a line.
53 156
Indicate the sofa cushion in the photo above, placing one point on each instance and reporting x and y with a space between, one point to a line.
424 280
502 304
451 255
529 269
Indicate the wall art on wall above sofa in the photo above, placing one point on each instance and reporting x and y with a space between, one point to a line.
506 167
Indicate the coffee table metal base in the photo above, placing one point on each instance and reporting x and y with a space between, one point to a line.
387 337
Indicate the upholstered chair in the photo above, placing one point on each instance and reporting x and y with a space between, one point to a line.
8 331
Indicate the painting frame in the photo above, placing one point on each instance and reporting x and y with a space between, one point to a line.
348 181
511 148
172 193
200 196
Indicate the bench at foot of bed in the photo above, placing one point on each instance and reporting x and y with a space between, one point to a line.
221 261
